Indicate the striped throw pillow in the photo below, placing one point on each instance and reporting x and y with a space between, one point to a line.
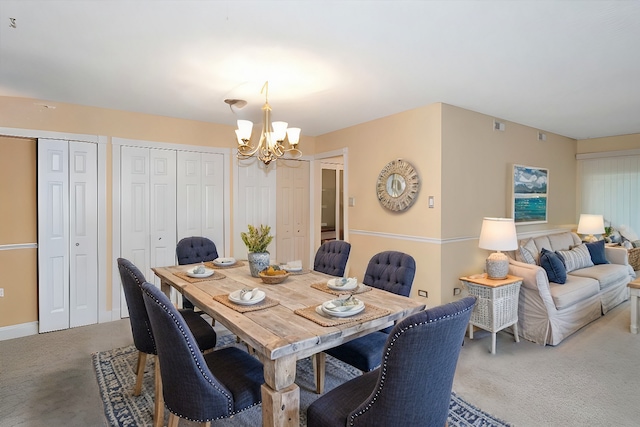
576 258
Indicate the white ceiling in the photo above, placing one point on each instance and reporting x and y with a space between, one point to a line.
567 67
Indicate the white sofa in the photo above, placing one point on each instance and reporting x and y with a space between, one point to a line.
549 312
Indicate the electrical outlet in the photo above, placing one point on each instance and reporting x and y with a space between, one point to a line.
1 292
422 293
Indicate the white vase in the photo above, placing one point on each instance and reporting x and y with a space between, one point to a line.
258 261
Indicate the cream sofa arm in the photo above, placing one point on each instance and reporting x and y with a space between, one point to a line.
616 255
535 278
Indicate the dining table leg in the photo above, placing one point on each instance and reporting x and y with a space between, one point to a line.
280 394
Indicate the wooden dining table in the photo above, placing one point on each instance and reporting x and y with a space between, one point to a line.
285 327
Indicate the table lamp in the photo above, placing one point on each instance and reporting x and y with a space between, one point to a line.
498 234
591 224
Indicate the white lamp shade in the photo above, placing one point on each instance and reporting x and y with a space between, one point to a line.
279 130
245 128
294 135
591 224
498 234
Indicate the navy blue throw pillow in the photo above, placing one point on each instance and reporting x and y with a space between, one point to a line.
596 250
554 266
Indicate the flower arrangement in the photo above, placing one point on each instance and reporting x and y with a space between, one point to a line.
257 239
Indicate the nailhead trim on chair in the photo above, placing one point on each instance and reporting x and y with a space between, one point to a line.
135 277
204 374
383 372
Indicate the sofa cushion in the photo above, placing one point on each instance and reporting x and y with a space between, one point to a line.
596 250
578 257
573 291
527 252
605 274
554 266
557 242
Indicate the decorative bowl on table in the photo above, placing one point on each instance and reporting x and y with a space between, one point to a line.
273 276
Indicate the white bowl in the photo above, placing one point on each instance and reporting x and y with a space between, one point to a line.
235 297
335 309
207 272
222 262
336 284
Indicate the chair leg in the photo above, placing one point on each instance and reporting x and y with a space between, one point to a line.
158 411
173 420
142 361
206 424
319 370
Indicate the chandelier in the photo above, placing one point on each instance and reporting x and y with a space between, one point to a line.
272 138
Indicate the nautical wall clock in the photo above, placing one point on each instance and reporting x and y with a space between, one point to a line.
398 185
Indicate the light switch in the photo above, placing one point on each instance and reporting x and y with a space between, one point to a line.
352 201
431 202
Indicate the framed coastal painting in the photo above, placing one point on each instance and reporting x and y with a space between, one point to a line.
530 194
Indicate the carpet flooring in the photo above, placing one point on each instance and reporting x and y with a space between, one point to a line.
116 378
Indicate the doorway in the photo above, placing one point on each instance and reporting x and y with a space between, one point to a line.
332 200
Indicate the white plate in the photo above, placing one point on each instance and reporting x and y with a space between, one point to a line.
291 269
352 311
235 297
335 284
222 262
207 272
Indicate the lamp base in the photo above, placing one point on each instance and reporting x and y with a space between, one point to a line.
497 266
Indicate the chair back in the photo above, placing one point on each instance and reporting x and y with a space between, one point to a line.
391 271
132 280
418 365
331 258
188 385
192 250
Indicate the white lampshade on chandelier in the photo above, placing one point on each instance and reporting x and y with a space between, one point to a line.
591 224
498 234
271 144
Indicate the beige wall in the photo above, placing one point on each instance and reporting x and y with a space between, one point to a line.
476 176
462 162
18 225
415 137
467 167
611 143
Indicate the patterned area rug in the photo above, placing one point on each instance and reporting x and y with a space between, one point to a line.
116 378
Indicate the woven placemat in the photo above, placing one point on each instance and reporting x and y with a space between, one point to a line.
185 276
325 288
266 303
370 312
297 273
237 264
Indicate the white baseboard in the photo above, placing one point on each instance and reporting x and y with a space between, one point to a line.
18 331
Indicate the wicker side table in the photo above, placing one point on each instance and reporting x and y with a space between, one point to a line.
497 305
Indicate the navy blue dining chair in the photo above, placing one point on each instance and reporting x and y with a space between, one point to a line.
331 257
391 271
143 338
413 385
196 386
192 250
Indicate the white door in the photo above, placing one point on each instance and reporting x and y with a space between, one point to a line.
200 196
67 234
293 211
162 211
83 234
53 235
134 209
256 202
